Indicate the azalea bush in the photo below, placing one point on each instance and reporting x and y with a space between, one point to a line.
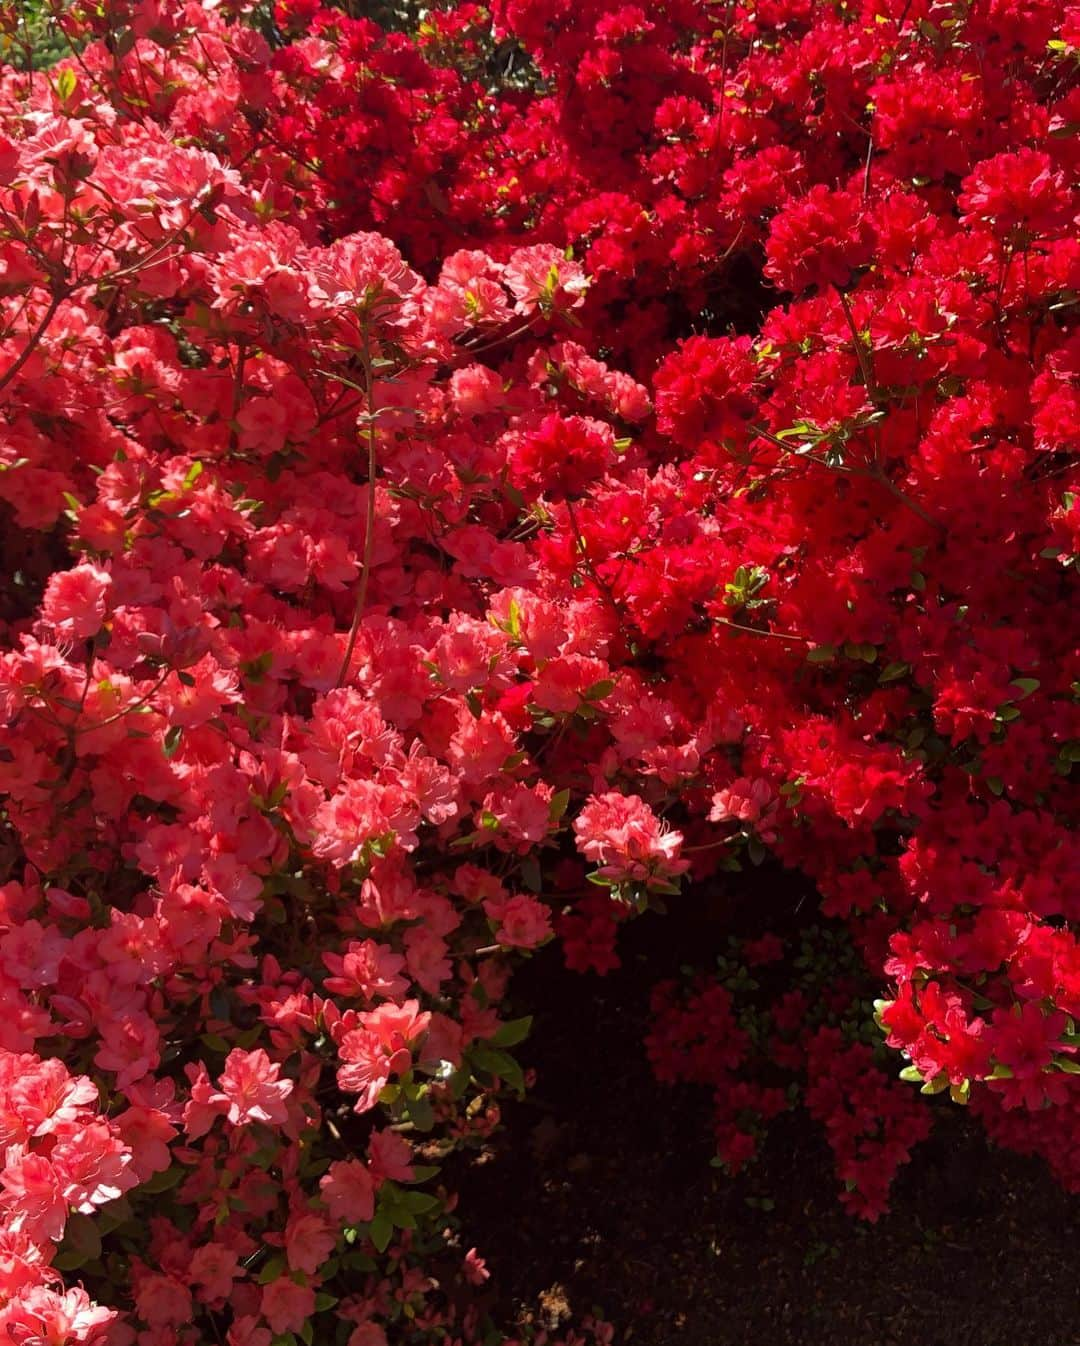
472 480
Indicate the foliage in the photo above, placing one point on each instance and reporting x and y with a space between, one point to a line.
498 497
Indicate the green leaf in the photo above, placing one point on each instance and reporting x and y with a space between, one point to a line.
420 1203
891 672
165 1181
530 873
1027 685
66 84
513 1031
421 1113
821 654
68 1261
558 805
171 742
500 1064
381 1231
82 1241
274 1269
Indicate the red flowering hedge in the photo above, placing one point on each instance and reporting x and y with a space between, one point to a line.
464 486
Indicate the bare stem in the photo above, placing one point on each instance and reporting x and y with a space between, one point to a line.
127 710
757 631
586 561
369 523
35 338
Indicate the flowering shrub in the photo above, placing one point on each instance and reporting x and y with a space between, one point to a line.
468 502
762 1042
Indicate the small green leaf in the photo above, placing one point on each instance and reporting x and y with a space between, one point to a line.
501 1064
530 874
419 1203
513 1031
381 1231
274 1269
164 1181
891 672
82 1241
66 84
421 1113
558 805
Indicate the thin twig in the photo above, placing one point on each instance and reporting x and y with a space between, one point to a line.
369 524
586 560
757 631
35 338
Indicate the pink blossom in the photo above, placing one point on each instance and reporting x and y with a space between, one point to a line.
625 838
33 1195
348 1189
42 1316
252 1088
542 277
523 921
286 1306
309 1241
746 801
163 1301
390 1157
76 600
366 969
476 1272
213 1269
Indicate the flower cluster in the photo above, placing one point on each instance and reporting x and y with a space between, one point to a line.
761 1042
461 500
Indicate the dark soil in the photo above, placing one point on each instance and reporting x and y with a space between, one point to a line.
598 1194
